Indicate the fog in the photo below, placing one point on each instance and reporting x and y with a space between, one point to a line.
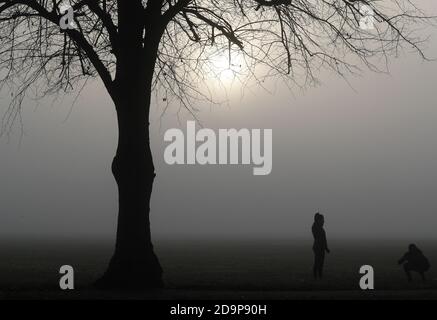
363 153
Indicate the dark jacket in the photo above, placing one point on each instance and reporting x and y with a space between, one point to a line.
416 260
319 234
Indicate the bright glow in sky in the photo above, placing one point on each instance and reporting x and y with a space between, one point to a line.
226 67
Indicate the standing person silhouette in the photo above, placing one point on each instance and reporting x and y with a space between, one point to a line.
320 245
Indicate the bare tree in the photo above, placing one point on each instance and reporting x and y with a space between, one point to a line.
136 46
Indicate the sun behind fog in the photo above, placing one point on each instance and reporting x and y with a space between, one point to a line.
225 67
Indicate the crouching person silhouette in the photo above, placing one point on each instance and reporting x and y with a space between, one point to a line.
320 245
414 260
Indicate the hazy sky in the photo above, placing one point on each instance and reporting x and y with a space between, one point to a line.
365 157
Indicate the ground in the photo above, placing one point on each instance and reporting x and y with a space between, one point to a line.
217 269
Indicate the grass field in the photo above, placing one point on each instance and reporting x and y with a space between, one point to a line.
238 269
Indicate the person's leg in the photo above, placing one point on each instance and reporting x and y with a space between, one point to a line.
407 269
321 263
315 267
422 274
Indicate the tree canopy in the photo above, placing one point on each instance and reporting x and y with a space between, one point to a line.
292 39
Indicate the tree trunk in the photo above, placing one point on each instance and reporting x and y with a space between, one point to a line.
134 264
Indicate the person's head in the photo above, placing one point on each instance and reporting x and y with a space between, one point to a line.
413 248
319 219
